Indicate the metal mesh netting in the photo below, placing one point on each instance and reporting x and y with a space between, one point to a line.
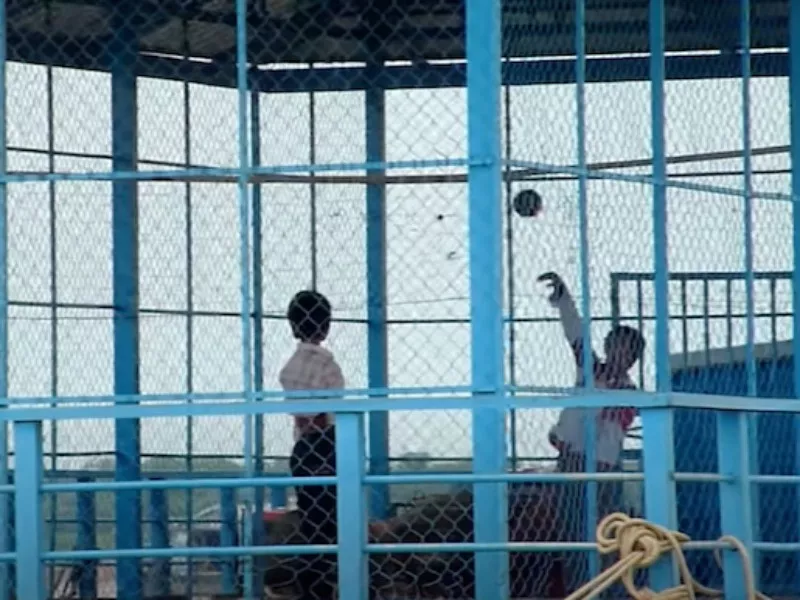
144 86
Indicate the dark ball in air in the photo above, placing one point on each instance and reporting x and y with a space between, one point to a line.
527 203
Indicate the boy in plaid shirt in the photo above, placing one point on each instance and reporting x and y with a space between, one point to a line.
311 367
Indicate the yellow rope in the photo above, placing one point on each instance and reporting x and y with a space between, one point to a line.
639 545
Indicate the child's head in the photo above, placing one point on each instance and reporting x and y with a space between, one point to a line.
623 347
309 315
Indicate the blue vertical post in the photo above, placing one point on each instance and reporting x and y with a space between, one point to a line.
189 226
510 280
124 215
277 496
794 116
28 511
735 499
54 367
377 329
227 538
258 332
751 494
486 288
590 427
657 429
243 189
87 540
5 515
351 507
159 538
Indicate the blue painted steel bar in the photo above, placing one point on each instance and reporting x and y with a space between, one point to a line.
751 493
794 116
590 427
124 216
51 192
5 515
277 497
286 481
189 262
747 181
243 190
86 540
159 538
421 402
351 508
28 511
515 73
312 185
258 329
227 175
377 329
227 537
735 501
483 33
658 463
511 319
657 427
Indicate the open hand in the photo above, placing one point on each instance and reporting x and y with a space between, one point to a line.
556 285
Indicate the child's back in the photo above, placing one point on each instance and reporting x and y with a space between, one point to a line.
311 367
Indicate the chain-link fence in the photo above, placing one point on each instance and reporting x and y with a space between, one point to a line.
312 157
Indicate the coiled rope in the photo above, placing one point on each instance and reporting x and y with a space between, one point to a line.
640 544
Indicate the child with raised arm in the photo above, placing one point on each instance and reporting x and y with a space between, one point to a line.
623 346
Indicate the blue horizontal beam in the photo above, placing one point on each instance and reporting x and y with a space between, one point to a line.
399 548
250 408
61 53
419 402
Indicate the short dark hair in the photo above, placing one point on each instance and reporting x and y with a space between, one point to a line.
630 337
309 314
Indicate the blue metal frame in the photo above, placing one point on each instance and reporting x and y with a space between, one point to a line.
351 507
189 262
350 480
657 425
794 115
749 494
28 511
124 221
486 288
243 197
483 76
523 72
258 323
5 516
377 329
590 427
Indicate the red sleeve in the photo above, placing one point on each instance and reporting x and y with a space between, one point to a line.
622 415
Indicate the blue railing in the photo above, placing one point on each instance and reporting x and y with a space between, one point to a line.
29 486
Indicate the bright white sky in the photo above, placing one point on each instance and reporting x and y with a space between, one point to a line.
428 268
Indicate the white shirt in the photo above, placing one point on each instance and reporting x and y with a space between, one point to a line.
570 430
311 367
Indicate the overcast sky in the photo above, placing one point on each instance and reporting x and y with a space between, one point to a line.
427 240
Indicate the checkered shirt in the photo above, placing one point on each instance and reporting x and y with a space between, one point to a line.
311 367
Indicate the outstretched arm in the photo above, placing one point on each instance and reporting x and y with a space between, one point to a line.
561 299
